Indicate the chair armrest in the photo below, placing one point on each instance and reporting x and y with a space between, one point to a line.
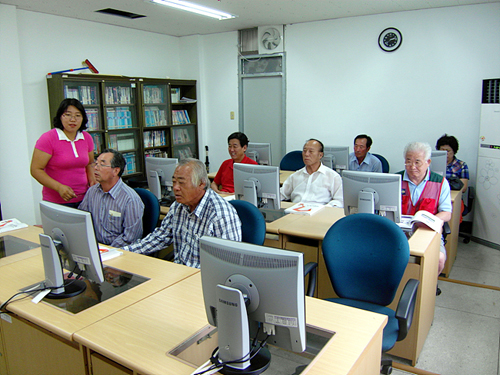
446 231
406 307
311 269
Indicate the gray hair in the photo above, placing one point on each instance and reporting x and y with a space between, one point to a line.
418 147
199 175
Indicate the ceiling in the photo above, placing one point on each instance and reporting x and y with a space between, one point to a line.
251 13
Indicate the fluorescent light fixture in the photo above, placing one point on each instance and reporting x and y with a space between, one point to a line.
194 8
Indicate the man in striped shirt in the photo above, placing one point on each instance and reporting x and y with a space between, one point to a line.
198 211
115 207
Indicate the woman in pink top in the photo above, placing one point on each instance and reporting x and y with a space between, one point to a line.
63 157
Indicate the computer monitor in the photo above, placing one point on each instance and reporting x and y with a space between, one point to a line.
372 192
249 292
159 172
336 157
257 184
259 152
68 242
439 161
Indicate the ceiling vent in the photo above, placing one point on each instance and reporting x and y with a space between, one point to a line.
120 13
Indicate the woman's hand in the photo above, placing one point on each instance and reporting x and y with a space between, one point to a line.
66 192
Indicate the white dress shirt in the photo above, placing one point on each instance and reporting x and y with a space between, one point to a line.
323 186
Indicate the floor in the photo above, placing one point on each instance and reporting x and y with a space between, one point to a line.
465 335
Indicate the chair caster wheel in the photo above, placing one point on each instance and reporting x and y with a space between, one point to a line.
466 240
386 370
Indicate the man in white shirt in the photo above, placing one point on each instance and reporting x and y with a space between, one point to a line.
315 182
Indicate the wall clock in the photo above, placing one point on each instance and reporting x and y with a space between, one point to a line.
390 39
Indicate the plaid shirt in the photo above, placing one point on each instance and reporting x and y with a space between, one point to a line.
457 168
212 217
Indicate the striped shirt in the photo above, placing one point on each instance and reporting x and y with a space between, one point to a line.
117 214
213 216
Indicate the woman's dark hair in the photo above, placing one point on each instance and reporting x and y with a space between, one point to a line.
63 107
447 140
240 137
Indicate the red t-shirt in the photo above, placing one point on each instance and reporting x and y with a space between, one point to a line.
225 175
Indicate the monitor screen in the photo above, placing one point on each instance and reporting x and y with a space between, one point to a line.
438 162
372 192
271 281
259 152
69 243
257 184
336 157
159 172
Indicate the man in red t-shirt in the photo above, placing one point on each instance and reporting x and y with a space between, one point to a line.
237 145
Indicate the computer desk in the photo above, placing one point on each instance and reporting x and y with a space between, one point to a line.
283 175
305 234
133 331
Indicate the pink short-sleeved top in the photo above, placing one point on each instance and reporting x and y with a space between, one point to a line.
67 164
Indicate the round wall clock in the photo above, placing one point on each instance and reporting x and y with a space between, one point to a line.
390 39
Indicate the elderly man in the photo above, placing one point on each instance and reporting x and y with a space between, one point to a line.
198 211
315 182
361 159
423 189
116 208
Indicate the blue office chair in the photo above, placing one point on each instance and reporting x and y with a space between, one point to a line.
151 211
292 161
385 163
253 225
366 256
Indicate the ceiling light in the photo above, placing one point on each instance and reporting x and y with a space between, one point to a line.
194 8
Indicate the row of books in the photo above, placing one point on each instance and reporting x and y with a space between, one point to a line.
130 167
155 138
155 116
181 136
153 94
184 153
93 116
97 137
119 118
180 116
156 153
118 95
87 95
122 142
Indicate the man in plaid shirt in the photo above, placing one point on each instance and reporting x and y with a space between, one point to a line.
198 211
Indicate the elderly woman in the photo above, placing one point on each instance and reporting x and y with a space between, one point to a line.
455 168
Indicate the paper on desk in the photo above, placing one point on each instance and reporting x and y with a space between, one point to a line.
107 253
230 197
11 224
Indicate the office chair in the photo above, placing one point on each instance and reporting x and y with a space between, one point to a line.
465 230
385 163
292 161
366 256
151 211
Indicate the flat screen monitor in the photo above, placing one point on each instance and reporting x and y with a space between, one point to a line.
372 192
259 152
257 184
69 243
251 292
159 172
336 157
439 161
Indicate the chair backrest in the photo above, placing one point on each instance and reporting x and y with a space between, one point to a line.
366 256
151 211
292 161
253 225
385 163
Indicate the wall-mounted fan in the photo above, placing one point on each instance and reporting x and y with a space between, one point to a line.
270 39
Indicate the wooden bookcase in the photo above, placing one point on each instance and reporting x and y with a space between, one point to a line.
137 116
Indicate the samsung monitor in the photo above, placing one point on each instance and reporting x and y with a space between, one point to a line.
257 184
372 192
251 292
336 157
159 172
259 152
68 242
439 161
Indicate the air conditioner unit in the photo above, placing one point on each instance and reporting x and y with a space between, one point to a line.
271 39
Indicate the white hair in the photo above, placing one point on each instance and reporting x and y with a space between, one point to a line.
418 147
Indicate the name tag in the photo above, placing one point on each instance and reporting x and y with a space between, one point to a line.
115 214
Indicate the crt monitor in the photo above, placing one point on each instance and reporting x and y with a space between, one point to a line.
372 192
251 292
159 172
259 152
336 157
69 243
257 184
439 162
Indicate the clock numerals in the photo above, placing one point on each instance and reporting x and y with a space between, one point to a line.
390 39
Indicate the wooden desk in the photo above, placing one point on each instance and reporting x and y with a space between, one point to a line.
157 325
283 175
452 238
28 234
306 233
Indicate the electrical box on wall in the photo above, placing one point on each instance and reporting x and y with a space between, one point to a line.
271 39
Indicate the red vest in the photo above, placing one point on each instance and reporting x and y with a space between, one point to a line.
429 198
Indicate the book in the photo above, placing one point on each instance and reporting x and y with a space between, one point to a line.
108 253
11 224
303 208
421 218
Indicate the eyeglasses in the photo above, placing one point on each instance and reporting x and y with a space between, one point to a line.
100 165
69 116
417 163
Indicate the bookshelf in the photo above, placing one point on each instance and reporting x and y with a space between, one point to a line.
137 116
